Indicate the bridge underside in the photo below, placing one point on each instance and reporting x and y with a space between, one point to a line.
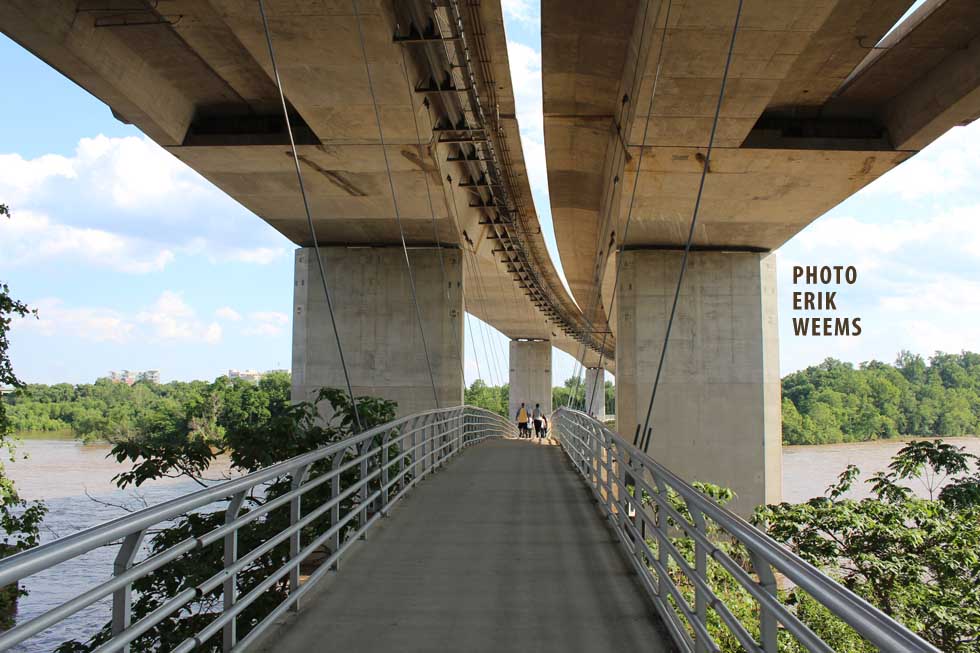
503 550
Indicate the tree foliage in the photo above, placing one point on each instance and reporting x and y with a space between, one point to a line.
19 519
916 559
255 427
492 397
834 402
572 394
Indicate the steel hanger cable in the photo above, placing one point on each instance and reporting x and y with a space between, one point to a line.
309 215
639 168
639 163
694 221
457 345
394 200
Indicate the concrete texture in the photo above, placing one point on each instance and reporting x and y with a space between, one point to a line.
202 87
811 114
595 392
502 551
717 412
379 329
530 376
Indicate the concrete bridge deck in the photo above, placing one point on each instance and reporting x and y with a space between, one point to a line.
501 551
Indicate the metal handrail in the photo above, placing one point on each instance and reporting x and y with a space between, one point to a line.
387 460
624 478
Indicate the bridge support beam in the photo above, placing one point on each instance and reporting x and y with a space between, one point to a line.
530 375
378 326
595 392
717 413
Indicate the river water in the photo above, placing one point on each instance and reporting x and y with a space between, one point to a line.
75 480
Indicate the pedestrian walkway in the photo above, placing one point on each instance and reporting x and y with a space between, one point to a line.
503 550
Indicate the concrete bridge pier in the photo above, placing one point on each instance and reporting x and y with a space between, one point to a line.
717 412
378 326
530 375
595 392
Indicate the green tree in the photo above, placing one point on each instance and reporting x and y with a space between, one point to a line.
833 402
19 519
493 398
916 559
256 426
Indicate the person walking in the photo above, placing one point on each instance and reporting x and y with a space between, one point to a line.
522 421
536 416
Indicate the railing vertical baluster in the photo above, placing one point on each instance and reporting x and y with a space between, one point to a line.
384 471
295 540
122 599
664 530
701 569
335 464
405 453
229 589
768 627
362 493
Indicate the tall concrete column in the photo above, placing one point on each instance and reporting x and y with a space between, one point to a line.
717 413
378 326
530 375
595 392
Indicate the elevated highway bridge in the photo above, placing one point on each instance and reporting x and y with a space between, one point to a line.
404 121
714 128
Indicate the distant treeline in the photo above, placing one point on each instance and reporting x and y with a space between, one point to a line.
834 402
115 411
827 403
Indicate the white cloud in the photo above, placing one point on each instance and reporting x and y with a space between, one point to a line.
947 165
228 313
30 238
20 178
95 324
124 203
171 318
525 73
266 323
521 11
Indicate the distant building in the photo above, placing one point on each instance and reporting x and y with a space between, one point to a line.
247 375
252 375
130 377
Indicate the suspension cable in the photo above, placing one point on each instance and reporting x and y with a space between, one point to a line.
309 215
476 355
480 289
639 164
394 200
694 220
629 215
457 345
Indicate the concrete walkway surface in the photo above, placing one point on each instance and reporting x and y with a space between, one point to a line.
502 550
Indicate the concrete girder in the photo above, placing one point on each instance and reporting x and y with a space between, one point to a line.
196 77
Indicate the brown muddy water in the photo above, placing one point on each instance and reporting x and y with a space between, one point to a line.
75 480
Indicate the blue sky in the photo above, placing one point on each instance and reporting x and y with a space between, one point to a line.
135 261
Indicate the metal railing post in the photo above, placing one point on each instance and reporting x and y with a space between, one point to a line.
768 625
122 599
664 534
335 464
295 540
362 494
384 471
701 569
229 589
